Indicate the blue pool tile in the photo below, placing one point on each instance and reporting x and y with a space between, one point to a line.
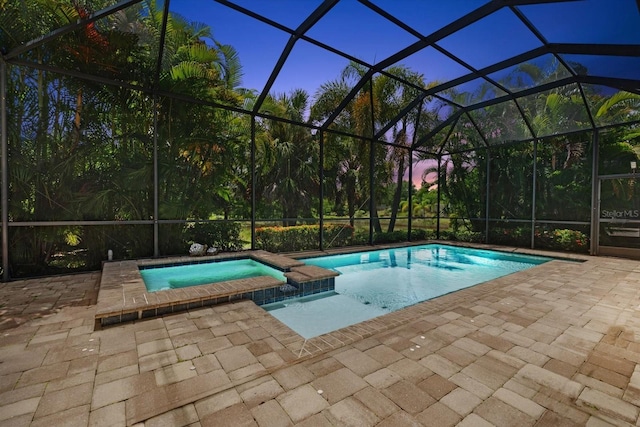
304 289
149 313
111 320
180 307
129 317
195 304
269 293
164 310
258 295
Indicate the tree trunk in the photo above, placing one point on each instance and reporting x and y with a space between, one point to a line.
395 205
350 188
77 121
375 218
288 216
41 202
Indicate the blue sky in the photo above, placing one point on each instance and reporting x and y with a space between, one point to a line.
355 29
349 26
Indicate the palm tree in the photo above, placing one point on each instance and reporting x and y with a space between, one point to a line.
289 157
391 97
360 117
344 156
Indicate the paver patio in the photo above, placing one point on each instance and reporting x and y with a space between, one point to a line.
558 344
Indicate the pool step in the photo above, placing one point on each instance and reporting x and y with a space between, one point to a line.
280 262
309 280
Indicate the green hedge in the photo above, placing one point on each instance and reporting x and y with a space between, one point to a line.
305 237
562 239
336 236
462 236
516 236
420 234
223 235
302 237
555 239
361 237
390 237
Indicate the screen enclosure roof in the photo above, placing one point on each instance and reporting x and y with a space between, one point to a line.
459 64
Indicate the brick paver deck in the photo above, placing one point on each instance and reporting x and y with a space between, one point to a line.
558 344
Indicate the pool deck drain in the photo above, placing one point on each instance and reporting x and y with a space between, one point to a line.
123 296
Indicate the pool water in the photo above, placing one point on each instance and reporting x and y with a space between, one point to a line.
378 282
158 278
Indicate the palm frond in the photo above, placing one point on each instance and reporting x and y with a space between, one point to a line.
230 67
618 99
192 69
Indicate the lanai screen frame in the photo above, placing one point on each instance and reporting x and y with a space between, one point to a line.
12 58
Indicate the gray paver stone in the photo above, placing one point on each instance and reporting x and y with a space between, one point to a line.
302 402
108 416
461 401
608 405
350 412
409 397
271 414
550 379
261 393
339 384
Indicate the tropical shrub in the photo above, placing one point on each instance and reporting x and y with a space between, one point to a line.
390 237
463 236
420 234
335 236
360 237
302 237
562 239
556 239
224 235
515 236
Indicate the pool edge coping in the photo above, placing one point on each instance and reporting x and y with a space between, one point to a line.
305 348
123 296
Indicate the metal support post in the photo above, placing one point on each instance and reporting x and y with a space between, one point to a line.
371 190
439 194
487 196
410 194
156 181
595 195
4 153
253 182
533 194
321 177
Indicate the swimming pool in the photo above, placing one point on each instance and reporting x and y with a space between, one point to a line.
378 282
158 278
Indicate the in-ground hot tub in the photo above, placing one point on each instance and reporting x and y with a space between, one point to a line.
124 297
172 276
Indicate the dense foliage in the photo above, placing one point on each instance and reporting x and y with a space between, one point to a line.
82 150
221 235
302 237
